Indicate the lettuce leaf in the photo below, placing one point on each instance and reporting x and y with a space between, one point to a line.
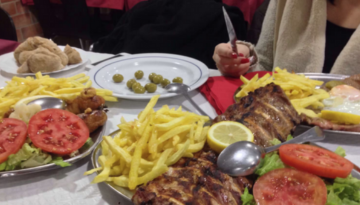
60 162
247 198
3 166
340 151
344 191
27 156
270 162
275 141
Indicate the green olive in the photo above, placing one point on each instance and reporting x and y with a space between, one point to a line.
139 74
150 87
333 83
177 80
130 83
136 84
157 79
165 82
139 89
151 76
118 78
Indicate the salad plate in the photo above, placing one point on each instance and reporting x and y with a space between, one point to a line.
193 72
96 138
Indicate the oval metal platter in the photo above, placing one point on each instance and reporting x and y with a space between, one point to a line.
95 136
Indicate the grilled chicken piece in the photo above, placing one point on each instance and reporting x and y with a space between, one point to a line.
87 99
93 119
328 125
193 181
267 112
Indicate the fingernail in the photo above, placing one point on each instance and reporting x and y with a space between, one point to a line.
234 55
240 54
244 60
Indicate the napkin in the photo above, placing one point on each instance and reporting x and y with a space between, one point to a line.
219 90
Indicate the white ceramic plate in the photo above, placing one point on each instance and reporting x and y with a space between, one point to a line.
193 72
8 63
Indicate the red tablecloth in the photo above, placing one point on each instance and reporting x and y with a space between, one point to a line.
7 46
110 4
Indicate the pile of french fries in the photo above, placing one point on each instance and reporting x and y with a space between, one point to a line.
63 88
302 91
146 147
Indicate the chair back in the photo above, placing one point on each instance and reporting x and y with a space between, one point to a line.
7 27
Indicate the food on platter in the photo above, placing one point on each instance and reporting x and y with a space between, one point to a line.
144 148
39 60
157 79
301 91
24 112
118 78
57 131
73 55
150 87
177 80
12 136
225 133
353 81
19 90
139 74
315 160
289 186
267 112
38 54
165 82
30 137
166 155
88 99
93 118
334 106
193 180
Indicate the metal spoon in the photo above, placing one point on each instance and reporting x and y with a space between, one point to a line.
48 102
183 89
242 158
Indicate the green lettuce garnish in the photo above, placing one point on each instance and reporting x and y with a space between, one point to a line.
27 156
270 162
276 141
344 191
247 198
340 151
60 162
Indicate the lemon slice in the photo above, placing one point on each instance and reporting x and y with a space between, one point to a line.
223 134
340 117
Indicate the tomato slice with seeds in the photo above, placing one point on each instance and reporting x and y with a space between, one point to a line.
315 160
57 131
289 186
13 134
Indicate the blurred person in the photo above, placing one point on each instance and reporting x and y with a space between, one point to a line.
301 36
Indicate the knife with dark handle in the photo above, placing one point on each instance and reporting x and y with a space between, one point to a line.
115 56
231 32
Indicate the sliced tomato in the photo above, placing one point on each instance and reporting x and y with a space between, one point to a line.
57 131
289 186
13 134
315 160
